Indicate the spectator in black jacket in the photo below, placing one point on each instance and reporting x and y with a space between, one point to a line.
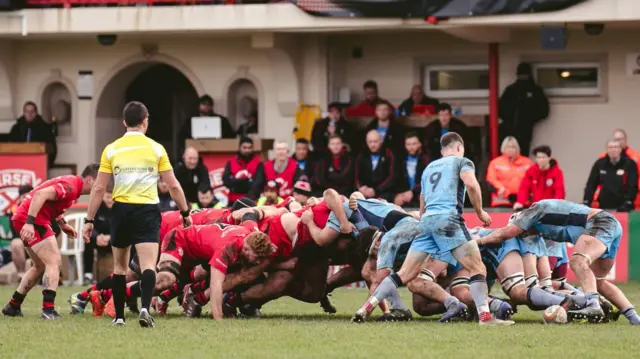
444 124
522 105
418 97
205 110
616 176
250 127
414 163
304 159
244 174
100 237
30 127
376 170
191 173
333 124
335 170
166 202
390 130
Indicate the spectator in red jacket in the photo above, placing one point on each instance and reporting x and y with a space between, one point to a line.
543 180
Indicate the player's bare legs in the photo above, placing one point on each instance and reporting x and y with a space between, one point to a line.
28 281
544 273
586 250
601 268
18 256
147 254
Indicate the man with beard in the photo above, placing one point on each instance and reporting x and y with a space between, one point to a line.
244 174
205 110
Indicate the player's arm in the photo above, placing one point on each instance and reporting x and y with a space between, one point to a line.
421 205
500 235
245 275
39 199
215 286
322 237
473 188
334 203
175 190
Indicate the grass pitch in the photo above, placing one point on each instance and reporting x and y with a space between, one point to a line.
292 329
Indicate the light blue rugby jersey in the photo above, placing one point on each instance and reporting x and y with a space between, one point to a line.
442 188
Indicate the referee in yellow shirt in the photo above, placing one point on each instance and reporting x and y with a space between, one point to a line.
135 162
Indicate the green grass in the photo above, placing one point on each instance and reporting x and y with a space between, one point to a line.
292 329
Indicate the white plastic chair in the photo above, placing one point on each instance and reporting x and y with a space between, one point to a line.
75 248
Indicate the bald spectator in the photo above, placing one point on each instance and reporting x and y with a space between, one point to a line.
444 124
417 97
282 170
390 130
324 128
376 170
613 180
192 174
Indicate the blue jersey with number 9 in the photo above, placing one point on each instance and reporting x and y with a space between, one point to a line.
442 188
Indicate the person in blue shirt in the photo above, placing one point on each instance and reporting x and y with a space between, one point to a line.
415 161
443 229
596 236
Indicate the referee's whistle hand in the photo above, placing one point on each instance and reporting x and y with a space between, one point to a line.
187 221
86 232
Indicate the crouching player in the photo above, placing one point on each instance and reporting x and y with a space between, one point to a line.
595 234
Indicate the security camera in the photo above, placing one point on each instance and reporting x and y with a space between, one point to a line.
107 40
594 29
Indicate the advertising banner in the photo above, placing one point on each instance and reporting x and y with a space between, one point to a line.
18 170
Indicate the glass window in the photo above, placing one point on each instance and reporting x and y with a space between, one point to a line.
457 81
568 79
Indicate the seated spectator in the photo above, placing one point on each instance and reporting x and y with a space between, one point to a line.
335 170
192 173
244 173
101 236
301 192
371 98
324 128
376 170
205 110
18 252
270 195
391 131
613 181
206 199
543 180
505 173
166 202
302 156
434 130
30 127
414 163
418 97
282 169
250 127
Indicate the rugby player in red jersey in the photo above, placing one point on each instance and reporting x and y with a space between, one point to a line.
32 220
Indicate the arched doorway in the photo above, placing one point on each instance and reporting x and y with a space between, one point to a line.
168 94
242 102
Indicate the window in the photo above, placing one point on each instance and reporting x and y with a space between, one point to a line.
457 81
568 79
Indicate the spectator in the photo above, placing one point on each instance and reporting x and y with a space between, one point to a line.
522 105
30 127
205 110
282 169
613 180
333 124
244 174
301 192
166 202
621 135
418 97
505 173
206 199
270 195
101 236
414 163
371 98
390 130
543 180
376 169
434 130
192 173
302 157
18 252
250 127
335 170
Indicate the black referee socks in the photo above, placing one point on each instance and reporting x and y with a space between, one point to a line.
147 285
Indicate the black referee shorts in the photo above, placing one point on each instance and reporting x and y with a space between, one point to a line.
134 223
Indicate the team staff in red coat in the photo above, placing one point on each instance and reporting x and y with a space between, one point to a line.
376 171
335 170
543 180
244 173
282 169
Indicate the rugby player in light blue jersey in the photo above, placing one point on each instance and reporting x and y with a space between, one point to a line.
444 184
596 236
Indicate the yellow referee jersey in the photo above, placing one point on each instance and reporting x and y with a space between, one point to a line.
135 160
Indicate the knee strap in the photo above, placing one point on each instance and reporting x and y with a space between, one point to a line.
459 282
170 267
511 281
601 278
585 256
427 275
531 281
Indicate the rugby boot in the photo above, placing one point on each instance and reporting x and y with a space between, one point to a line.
250 311
97 303
396 315
192 309
487 320
187 297
327 306
77 305
118 322
145 319
49 314
361 316
504 312
160 306
592 312
455 310
10 311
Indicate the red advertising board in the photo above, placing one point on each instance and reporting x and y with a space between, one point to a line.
215 163
620 271
17 170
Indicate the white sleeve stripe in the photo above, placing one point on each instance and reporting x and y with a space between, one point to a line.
64 191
